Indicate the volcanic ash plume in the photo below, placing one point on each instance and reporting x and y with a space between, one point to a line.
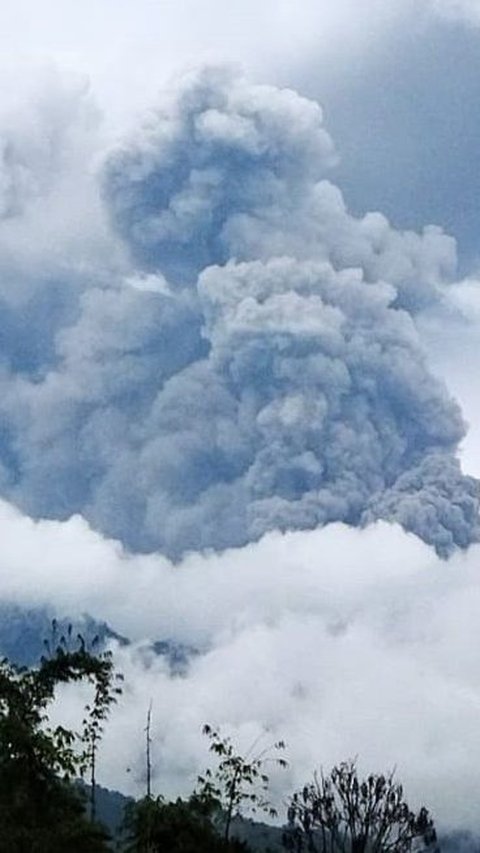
251 360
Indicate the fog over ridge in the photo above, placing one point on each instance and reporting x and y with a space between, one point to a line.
342 641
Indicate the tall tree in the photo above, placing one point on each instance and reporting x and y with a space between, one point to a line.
40 809
148 750
340 813
238 781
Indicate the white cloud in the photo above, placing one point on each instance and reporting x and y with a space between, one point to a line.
344 642
51 217
129 50
463 10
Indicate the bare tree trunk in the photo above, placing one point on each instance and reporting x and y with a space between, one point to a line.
93 784
148 751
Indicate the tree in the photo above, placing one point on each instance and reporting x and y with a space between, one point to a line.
238 781
40 809
184 826
99 672
96 667
339 813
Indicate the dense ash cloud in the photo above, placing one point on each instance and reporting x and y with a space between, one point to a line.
231 170
243 355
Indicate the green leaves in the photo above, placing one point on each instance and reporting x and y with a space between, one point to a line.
184 826
238 781
339 813
38 805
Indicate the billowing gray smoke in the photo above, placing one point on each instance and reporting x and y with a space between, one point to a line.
253 363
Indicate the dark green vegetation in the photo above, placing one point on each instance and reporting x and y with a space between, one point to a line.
185 826
45 809
341 813
40 808
206 821
237 782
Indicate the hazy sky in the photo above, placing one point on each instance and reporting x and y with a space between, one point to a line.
398 79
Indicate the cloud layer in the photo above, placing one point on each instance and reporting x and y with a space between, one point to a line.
462 10
240 354
344 642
